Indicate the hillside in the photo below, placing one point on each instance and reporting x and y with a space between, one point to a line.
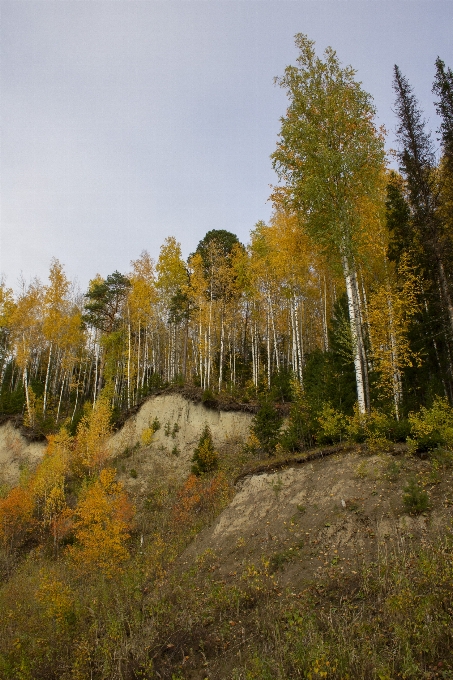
299 569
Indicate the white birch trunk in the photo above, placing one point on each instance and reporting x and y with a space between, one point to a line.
268 351
44 405
298 345
221 351
354 321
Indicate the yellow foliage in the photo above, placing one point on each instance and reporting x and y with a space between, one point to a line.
56 598
103 518
147 436
389 313
432 427
91 451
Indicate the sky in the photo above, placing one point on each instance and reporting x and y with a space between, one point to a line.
123 122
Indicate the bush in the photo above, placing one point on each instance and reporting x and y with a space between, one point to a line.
374 428
431 427
208 398
205 458
415 498
266 425
332 425
299 433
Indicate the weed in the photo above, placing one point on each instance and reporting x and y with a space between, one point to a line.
277 486
415 498
393 470
175 430
133 473
175 451
279 559
362 470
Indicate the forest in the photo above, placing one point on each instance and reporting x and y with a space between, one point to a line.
338 315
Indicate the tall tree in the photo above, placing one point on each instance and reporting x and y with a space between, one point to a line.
418 166
331 157
443 89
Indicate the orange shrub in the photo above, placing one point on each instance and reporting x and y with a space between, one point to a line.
198 494
16 517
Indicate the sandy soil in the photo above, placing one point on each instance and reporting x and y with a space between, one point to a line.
327 515
181 420
16 453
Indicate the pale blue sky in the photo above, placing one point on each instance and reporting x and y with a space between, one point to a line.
123 122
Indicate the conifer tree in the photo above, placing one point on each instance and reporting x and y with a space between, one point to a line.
418 165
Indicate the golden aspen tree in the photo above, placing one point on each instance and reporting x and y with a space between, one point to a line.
390 311
102 523
16 518
27 338
142 302
197 292
48 486
7 306
90 447
61 330
172 278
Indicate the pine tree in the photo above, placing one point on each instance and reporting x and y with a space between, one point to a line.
205 458
266 424
418 166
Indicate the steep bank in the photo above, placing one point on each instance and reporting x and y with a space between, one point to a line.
181 423
16 452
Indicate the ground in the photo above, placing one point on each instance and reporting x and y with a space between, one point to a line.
328 514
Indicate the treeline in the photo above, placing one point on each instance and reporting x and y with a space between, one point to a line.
346 292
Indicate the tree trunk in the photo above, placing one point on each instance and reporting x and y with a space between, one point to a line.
355 328
44 405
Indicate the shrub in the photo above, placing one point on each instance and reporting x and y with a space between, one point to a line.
299 432
147 436
266 425
332 425
205 457
415 498
374 428
431 427
208 398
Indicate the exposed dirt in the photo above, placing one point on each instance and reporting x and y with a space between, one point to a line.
168 459
16 452
181 423
329 515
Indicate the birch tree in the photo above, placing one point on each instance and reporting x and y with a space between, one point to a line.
330 156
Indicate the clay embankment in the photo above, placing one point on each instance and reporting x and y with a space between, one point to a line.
171 449
327 515
181 423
